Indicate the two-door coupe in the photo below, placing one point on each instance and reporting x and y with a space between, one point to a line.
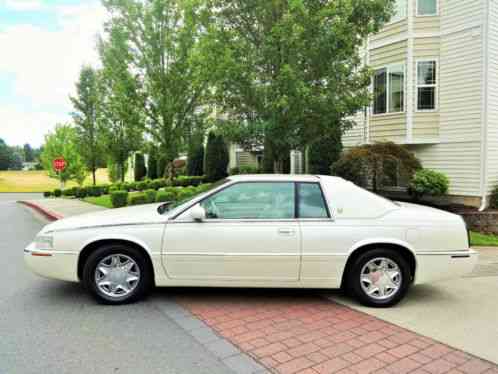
296 231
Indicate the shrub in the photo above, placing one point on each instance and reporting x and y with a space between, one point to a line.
366 165
157 184
493 200
47 194
165 196
204 187
119 198
94 191
216 158
140 169
80 192
195 162
150 196
324 152
57 192
152 163
138 199
142 186
105 189
69 192
248 169
428 182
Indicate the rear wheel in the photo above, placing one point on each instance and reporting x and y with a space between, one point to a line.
117 274
379 278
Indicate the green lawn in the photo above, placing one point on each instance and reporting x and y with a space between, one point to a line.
104 200
483 240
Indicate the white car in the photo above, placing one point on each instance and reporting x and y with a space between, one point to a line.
296 231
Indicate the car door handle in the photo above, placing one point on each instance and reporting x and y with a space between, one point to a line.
286 231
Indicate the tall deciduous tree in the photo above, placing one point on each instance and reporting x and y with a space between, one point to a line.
292 65
29 154
63 142
85 116
121 117
162 41
5 155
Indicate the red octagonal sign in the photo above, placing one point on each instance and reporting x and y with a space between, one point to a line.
59 164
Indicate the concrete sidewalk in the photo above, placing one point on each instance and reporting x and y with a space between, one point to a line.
55 209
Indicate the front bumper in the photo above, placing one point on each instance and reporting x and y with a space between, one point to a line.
438 266
52 264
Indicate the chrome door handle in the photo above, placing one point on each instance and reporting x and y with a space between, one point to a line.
286 231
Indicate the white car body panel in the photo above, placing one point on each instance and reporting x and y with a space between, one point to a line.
265 253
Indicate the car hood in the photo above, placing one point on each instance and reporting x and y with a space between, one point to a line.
111 217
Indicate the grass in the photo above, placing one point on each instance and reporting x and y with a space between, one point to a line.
39 181
483 240
104 200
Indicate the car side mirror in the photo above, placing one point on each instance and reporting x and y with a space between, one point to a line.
198 213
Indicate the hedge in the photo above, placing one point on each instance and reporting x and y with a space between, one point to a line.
138 199
119 198
150 196
165 196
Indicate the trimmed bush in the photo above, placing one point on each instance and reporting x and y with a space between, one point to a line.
204 187
217 158
195 162
152 164
493 200
140 169
245 170
157 184
150 196
94 191
165 196
324 152
69 192
48 194
138 199
429 182
185 181
80 192
57 193
119 198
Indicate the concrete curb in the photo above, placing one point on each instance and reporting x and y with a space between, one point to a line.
52 216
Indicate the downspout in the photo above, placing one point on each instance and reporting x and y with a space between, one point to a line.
484 126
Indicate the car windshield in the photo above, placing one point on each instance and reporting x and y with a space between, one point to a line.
177 206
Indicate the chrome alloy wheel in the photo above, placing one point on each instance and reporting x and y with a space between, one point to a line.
381 278
117 275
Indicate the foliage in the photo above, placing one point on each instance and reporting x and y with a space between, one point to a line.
119 198
165 196
85 118
9 158
48 194
117 172
63 142
57 192
152 163
324 152
186 181
429 182
366 165
162 48
195 163
216 158
140 169
150 196
138 199
29 154
493 202
291 68
245 170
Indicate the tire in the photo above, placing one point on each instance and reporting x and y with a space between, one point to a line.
393 287
123 264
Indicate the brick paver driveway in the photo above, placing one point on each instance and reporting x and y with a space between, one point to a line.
291 332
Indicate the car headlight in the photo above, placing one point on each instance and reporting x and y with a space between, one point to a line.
44 242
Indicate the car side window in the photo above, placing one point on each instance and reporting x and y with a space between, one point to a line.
259 200
311 201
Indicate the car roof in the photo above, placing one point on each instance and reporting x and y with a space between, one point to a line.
281 178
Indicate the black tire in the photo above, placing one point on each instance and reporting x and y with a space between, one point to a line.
141 288
354 275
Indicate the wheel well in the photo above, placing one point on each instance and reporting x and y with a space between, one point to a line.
90 248
405 252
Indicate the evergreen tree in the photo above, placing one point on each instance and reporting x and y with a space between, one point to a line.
195 159
140 169
323 153
216 162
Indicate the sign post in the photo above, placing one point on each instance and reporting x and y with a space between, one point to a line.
59 165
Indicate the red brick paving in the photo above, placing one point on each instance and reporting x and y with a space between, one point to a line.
311 335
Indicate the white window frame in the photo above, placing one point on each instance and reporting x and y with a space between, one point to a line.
388 84
436 86
427 15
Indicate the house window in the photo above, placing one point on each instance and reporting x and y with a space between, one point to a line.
389 90
426 85
427 7
400 7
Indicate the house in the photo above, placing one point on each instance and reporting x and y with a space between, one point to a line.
435 89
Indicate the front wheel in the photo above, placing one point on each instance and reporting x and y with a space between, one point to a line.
117 274
379 278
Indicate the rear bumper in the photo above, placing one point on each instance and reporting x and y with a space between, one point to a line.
438 266
52 264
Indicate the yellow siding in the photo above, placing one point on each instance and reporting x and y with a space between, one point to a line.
425 25
388 54
388 127
355 135
391 30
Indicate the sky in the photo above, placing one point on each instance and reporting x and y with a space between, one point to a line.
43 45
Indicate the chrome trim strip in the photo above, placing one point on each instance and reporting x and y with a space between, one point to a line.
464 252
28 251
108 226
256 220
245 254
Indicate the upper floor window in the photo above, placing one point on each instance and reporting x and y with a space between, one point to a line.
400 7
427 7
389 90
426 85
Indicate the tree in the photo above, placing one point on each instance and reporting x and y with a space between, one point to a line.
374 165
152 162
195 161
29 153
162 39
292 67
140 169
216 163
63 142
85 118
121 118
324 152
5 155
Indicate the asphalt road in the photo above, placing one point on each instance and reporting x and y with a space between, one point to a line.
54 327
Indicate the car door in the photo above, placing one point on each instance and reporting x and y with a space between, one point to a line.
250 234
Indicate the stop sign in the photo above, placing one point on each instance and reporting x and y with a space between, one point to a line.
59 164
